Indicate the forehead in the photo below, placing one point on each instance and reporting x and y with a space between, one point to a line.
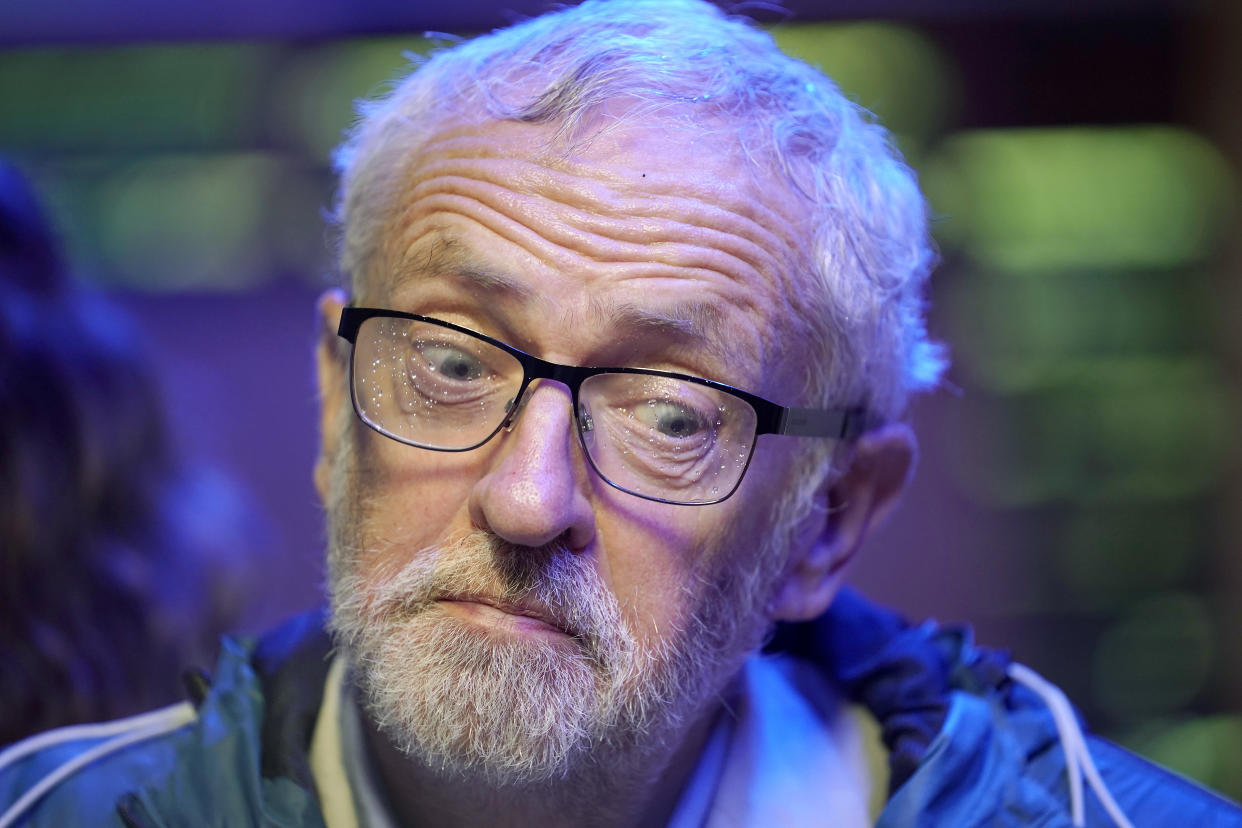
639 234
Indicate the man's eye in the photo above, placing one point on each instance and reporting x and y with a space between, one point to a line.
452 363
671 419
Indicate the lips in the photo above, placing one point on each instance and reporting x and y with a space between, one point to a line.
526 609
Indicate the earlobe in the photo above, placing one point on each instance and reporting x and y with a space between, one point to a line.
857 501
331 372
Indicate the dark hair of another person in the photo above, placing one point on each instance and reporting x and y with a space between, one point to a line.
109 582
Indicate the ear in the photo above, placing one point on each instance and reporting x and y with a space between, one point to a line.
332 372
857 501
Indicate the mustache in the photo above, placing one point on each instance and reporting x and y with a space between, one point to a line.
549 582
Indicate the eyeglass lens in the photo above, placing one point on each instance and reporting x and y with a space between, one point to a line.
658 437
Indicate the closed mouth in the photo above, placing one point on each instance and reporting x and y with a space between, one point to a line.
521 608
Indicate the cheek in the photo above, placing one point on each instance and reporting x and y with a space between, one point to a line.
652 556
406 498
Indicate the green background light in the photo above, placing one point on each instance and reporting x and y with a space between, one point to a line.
1030 201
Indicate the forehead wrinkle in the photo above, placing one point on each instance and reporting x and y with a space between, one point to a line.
472 153
606 217
660 261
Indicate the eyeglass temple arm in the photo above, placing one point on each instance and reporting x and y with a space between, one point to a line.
841 423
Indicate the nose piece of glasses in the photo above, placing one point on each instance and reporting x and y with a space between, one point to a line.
513 408
511 413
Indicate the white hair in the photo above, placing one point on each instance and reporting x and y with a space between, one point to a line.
684 59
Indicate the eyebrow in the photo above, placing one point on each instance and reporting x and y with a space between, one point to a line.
449 257
691 322
688 324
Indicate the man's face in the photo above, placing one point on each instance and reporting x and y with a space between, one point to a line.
507 610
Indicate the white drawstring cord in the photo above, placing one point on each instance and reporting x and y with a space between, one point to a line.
1078 761
72 733
131 730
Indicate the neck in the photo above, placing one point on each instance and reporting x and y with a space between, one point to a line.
639 789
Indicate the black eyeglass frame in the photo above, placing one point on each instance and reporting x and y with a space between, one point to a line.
770 418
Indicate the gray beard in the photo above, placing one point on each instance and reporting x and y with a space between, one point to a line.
532 710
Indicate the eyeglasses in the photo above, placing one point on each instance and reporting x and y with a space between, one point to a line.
655 434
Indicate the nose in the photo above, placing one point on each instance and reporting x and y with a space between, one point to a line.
535 489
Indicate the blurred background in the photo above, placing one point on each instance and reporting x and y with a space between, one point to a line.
1079 498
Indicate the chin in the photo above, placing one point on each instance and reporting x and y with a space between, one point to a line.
479 702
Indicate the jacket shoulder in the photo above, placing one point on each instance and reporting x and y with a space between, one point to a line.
76 775
239 758
1157 796
86 768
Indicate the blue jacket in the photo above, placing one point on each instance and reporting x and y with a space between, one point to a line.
968 745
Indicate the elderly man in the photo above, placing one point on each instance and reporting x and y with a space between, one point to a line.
549 579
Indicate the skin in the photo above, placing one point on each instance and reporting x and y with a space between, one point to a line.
610 254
